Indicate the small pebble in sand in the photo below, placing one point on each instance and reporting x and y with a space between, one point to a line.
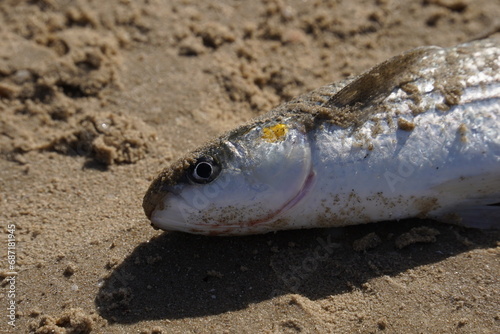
70 270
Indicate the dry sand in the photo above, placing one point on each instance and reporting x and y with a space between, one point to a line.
97 96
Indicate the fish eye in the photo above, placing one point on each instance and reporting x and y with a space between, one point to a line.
205 170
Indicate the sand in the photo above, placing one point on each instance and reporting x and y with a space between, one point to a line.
97 97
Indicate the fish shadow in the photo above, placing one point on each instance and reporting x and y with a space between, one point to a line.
177 275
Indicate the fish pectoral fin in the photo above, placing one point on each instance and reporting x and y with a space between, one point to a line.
479 206
483 217
474 216
485 185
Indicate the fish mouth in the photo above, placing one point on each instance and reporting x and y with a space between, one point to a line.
150 201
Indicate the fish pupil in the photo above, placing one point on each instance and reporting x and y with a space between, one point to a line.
203 170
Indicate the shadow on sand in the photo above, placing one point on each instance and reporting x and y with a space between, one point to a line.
178 275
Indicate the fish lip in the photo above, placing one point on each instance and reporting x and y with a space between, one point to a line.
155 196
151 199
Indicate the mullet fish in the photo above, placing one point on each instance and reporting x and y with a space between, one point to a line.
416 136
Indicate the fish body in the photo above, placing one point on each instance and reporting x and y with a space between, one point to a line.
416 136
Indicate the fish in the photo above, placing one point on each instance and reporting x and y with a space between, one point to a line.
417 136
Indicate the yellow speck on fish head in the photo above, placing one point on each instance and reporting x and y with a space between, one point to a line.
274 133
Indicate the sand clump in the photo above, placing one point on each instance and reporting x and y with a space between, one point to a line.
107 138
73 321
53 75
416 235
369 241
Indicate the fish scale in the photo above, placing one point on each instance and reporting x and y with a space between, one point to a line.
416 136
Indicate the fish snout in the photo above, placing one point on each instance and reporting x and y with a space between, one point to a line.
154 197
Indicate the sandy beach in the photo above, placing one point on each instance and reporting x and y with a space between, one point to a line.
97 97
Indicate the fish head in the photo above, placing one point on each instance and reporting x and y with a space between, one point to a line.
241 183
